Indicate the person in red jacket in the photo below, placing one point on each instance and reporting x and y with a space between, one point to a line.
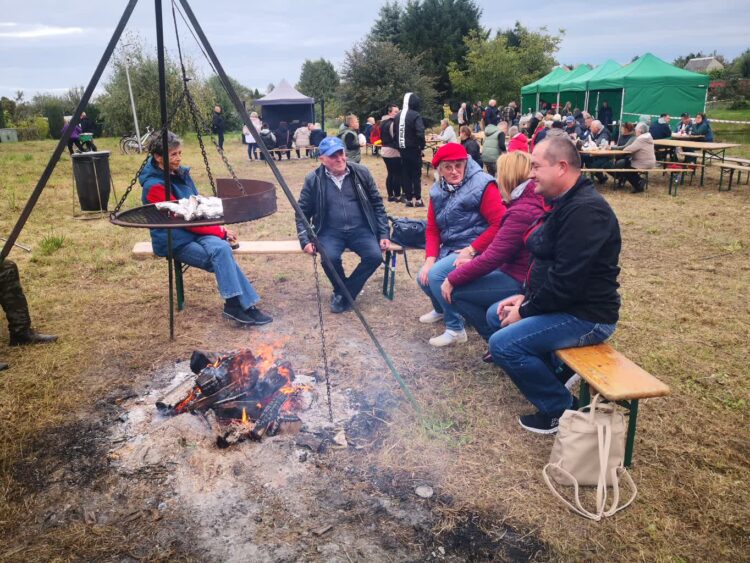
462 219
518 141
500 270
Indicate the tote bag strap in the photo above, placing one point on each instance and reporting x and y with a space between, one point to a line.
578 507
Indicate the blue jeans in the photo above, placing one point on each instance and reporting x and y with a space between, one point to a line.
362 242
435 279
213 254
525 351
471 300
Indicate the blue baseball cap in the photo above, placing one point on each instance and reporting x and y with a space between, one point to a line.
330 145
570 119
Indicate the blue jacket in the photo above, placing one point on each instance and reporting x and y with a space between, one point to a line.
182 186
457 213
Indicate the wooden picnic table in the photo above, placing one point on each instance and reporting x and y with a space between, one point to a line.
604 152
715 150
679 137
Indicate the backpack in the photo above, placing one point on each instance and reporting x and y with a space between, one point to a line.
408 233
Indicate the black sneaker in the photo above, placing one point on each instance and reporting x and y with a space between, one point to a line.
258 316
487 358
419 203
539 423
237 314
392 198
339 304
411 203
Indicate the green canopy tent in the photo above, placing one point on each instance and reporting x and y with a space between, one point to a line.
576 88
553 88
650 86
530 93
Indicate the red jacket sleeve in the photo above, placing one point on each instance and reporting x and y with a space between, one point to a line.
432 235
157 193
492 209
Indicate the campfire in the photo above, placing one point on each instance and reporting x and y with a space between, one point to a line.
242 395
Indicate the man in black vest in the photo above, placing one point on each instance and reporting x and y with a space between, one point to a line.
343 204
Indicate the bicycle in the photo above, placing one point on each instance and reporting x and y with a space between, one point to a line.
129 144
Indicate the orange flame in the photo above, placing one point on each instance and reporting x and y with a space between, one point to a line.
244 416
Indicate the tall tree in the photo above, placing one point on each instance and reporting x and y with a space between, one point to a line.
495 69
388 25
232 120
144 76
376 73
319 80
431 29
741 65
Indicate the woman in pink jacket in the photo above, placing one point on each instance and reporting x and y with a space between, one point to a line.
500 270
518 141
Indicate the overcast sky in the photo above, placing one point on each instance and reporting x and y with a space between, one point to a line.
52 45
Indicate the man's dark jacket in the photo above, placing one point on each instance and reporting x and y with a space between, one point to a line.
574 258
409 124
312 200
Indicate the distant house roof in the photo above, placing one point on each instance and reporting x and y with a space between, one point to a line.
284 93
704 64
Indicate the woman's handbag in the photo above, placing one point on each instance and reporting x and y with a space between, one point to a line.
589 449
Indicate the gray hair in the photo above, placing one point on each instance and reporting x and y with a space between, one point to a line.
445 122
513 131
156 142
641 128
597 123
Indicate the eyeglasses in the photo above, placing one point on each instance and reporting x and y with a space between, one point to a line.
451 167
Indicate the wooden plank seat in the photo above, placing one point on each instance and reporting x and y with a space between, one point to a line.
646 172
616 378
143 250
730 168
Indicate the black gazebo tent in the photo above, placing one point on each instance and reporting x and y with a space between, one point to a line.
284 103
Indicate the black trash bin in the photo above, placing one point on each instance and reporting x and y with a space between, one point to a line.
91 171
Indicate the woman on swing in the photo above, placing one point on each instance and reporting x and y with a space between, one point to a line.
207 248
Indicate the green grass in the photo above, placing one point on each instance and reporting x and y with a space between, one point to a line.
50 244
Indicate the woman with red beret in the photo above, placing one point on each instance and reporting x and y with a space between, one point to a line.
462 219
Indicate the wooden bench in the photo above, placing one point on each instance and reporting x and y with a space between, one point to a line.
731 168
646 172
427 165
143 250
616 378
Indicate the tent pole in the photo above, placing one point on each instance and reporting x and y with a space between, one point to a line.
622 105
63 142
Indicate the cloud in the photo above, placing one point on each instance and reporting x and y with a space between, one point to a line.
37 31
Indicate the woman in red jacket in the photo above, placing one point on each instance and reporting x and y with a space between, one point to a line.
500 270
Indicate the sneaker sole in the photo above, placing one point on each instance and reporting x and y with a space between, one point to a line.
456 341
233 318
538 430
431 321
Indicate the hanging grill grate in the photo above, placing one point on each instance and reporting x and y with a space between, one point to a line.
259 201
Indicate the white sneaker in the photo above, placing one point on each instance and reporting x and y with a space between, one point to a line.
575 378
431 317
449 337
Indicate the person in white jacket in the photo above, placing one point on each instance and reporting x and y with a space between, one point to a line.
252 144
447 134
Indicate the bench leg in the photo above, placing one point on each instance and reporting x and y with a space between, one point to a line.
389 276
179 286
630 442
584 394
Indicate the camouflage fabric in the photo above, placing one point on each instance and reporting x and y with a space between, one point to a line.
12 299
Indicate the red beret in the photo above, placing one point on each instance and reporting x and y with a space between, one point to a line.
449 151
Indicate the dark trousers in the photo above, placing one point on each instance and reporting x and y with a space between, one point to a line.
12 299
75 142
362 242
252 149
393 180
411 172
631 177
281 154
491 168
473 299
220 134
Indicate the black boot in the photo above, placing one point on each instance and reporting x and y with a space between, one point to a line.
30 336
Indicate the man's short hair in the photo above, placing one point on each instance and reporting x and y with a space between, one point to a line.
349 119
389 108
597 123
559 148
156 142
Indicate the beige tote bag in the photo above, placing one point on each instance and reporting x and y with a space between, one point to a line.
589 450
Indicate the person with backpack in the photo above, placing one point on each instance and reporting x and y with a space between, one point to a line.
268 138
411 143
391 155
349 135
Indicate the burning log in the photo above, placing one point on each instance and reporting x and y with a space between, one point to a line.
174 397
269 415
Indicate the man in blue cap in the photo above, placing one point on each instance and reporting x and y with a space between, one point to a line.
343 204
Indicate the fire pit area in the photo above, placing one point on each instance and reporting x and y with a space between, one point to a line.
242 395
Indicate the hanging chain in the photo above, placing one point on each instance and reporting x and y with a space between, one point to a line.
322 336
228 165
194 113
